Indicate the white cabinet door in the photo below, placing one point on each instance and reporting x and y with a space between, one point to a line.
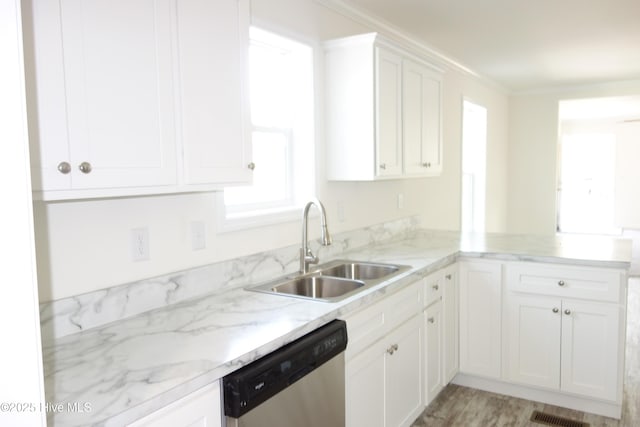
388 112
533 340
213 40
403 374
450 359
383 382
421 102
480 318
433 326
590 348
365 387
113 59
199 409
137 96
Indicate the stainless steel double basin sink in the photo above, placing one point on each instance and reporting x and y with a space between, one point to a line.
333 281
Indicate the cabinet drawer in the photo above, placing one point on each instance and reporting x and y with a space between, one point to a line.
371 323
433 288
599 284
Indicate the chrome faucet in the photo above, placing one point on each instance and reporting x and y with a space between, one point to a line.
306 256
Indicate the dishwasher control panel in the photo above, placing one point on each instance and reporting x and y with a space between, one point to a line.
258 381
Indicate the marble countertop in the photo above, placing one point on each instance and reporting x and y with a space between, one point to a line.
132 367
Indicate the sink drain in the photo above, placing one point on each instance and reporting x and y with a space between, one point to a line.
554 420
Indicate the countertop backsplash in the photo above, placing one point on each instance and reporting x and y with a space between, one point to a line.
82 312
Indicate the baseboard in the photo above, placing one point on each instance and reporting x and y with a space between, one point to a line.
598 407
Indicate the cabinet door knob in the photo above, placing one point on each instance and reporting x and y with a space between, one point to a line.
383 166
448 277
390 350
64 167
567 312
561 283
555 309
431 319
85 167
251 166
435 287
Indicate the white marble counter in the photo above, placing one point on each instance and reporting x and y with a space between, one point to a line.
129 368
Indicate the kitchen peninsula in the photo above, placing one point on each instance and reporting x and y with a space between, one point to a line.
127 368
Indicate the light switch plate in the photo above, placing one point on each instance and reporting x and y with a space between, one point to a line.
198 235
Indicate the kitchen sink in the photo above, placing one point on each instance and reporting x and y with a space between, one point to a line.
359 270
333 281
317 286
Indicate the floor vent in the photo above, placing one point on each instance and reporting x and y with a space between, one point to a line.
554 420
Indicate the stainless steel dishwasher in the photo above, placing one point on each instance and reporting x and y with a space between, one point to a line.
300 384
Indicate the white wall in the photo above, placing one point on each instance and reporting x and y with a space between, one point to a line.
532 154
84 246
21 356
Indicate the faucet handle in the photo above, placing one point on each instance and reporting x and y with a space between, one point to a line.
310 258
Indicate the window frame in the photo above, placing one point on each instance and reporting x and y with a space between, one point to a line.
231 218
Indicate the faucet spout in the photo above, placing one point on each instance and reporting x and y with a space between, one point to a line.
306 256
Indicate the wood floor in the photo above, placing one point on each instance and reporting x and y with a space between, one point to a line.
462 406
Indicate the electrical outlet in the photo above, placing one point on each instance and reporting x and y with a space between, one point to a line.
198 235
140 244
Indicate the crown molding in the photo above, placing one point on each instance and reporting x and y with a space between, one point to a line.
400 37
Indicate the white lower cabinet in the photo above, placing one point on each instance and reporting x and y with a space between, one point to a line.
201 408
548 332
563 344
440 330
480 318
450 316
433 332
383 378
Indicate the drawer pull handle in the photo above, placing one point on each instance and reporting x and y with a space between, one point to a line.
555 309
567 312
448 277
430 319
561 283
392 349
435 287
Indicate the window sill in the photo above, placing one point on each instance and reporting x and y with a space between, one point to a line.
255 219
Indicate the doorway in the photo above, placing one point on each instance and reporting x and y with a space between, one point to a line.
590 159
474 165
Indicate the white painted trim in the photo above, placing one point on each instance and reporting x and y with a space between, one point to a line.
607 409
21 358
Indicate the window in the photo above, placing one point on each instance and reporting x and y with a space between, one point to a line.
281 86
474 155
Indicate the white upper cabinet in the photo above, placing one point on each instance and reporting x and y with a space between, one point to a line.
212 53
383 111
388 119
421 95
115 97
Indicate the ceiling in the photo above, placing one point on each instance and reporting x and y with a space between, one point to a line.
524 45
